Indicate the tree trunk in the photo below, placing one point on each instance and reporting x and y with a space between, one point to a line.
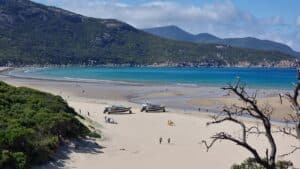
298 130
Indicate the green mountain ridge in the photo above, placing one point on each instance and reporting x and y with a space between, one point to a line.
31 33
176 33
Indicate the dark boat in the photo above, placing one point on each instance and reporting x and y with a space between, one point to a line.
117 109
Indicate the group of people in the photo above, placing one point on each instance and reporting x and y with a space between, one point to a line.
88 113
161 140
109 120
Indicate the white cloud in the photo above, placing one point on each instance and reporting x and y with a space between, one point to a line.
223 19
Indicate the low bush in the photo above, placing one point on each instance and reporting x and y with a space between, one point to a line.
32 124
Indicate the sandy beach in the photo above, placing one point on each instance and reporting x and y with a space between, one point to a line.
133 143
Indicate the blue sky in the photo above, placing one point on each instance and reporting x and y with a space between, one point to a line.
277 20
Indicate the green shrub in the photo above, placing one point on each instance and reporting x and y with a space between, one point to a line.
247 164
250 163
5 159
94 134
15 160
20 161
32 123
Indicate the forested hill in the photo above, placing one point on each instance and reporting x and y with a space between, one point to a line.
32 33
176 33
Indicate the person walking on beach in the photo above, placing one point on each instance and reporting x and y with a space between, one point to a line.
280 97
169 140
160 140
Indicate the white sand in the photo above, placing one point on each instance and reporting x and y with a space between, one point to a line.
138 134
133 142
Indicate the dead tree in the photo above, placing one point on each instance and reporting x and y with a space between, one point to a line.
293 99
262 114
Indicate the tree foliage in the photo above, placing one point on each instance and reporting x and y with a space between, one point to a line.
32 125
251 163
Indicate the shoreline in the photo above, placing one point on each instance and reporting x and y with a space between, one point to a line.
131 82
6 69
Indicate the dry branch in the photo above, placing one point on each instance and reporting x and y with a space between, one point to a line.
263 116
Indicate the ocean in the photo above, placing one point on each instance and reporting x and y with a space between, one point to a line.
275 78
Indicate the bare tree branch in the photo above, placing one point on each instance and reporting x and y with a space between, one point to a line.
295 106
291 152
250 108
286 131
294 98
262 114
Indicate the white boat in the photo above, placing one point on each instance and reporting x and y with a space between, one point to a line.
153 107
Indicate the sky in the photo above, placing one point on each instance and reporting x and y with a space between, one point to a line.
277 20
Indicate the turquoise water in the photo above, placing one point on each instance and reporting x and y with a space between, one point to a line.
253 77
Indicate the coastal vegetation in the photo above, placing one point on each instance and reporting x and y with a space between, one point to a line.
32 33
32 126
250 163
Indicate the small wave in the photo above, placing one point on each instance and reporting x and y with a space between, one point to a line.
68 78
187 84
99 81
26 70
